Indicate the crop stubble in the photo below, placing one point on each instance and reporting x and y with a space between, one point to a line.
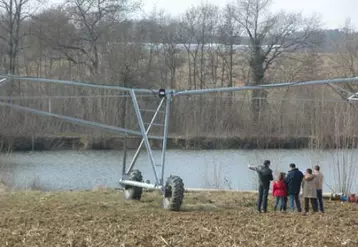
103 218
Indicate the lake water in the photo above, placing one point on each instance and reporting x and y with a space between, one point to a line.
78 170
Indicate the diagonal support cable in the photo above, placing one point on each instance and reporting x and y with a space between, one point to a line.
78 121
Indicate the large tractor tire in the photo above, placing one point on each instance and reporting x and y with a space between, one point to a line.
132 192
174 193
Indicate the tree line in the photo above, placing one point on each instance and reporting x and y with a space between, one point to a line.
243 43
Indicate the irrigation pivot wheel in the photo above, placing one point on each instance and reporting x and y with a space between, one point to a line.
174 193
133 192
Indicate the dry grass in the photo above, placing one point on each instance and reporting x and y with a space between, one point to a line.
207 219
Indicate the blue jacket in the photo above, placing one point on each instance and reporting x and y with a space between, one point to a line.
293 181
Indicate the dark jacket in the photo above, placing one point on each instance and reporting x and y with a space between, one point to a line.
293 181
265 175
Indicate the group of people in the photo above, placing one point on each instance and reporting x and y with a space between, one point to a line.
287 187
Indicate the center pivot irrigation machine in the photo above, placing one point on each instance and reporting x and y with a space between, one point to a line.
132 181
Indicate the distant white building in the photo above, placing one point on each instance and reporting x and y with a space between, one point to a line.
208 46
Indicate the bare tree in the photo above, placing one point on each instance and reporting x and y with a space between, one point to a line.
125 58
52 31
207 29
270 36
345 60
88 21
187 34
197 28
229 35
345 159
12 15
347 54
149 31
172 55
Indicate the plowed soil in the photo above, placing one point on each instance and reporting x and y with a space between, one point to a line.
103 218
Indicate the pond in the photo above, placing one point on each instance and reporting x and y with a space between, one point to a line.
83 170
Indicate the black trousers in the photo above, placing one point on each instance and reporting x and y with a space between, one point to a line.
262 199
313 204
320 200
285 204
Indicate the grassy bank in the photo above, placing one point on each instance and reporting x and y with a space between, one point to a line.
207 219
116 143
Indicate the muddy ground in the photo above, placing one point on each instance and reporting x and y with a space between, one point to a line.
103 218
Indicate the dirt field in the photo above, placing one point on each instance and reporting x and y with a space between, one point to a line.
207 219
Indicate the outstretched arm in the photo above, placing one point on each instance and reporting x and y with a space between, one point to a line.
254 168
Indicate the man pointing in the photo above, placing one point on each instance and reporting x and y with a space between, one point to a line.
265 177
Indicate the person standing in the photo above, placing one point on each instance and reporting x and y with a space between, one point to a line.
293 180
286 197
309 186
265 177
279 191
320 178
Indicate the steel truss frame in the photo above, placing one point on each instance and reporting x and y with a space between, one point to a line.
166 100
353 97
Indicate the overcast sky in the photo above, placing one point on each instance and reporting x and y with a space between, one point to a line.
333 12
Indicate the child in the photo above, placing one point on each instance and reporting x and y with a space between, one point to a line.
279 191
309 186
